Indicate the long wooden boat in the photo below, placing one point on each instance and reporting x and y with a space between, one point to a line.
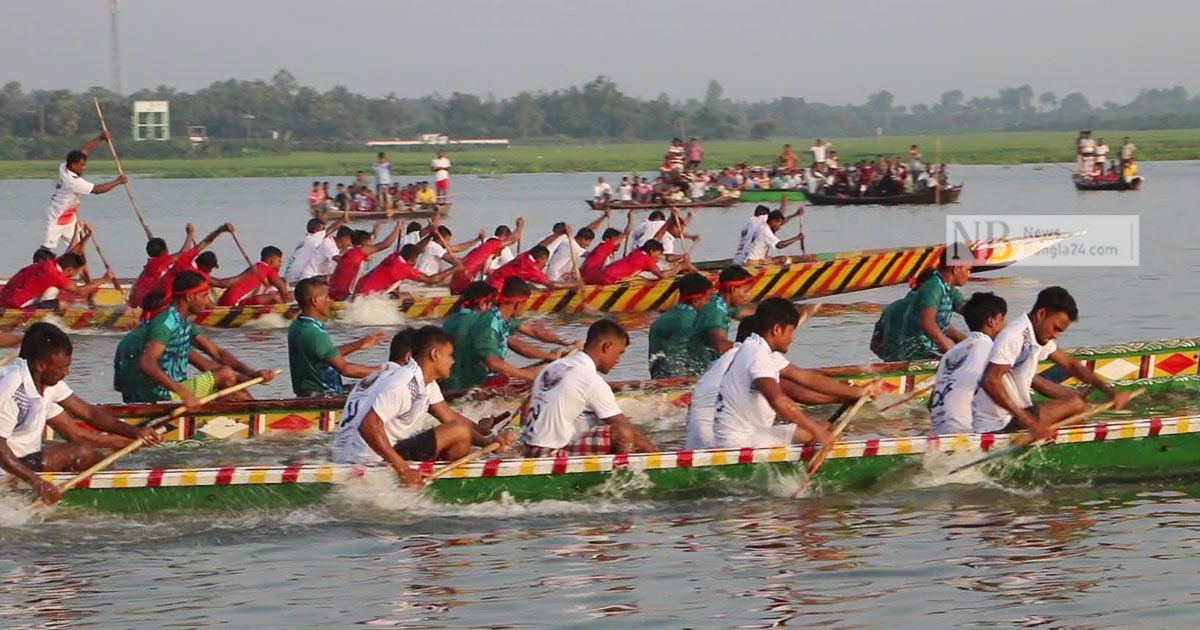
1122 450
772 194
814 275
1086 183
950 195
425 212
1156 365
716 202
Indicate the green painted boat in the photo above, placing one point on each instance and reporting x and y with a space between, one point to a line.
758 195
1122 450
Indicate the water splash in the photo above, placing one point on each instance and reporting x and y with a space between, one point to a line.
372 311
268 321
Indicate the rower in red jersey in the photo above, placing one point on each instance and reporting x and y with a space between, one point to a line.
28 286
397 268
350 264
159 261
530 267
476 261
186 260
595 260
260 284
643 259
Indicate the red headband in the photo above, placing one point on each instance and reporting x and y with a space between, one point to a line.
733 284
509 299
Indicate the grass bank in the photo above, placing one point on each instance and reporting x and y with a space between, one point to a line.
975 148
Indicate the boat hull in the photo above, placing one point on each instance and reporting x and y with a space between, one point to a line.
771 194
426 212
719 202
914 199
1120 184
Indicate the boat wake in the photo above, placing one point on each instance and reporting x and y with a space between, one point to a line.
372 311
268 321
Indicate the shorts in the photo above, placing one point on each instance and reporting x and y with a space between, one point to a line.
56 233
200 385
760 437
442 185
597 441
700 429
421 447
33 461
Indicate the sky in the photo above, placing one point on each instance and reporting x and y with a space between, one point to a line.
832 52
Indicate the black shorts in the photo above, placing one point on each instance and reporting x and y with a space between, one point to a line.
33 461
421 447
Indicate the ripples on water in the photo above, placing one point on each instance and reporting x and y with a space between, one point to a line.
925 550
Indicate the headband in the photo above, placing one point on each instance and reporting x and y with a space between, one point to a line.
508 299
733 284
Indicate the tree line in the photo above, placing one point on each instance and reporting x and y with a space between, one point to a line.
280 114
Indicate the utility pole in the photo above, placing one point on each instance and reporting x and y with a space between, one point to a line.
114 48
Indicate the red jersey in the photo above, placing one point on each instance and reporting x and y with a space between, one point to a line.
593 262
522 267
31 282
150 278
350 264
263 275
636 262
391 271
473 263
186 261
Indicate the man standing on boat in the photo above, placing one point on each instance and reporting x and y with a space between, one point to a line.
317 366
1003 401
34 394
820 152
64 203
695 154
572 410
383 176
151 361
1128 151
385 424
961 368
788 160
440 166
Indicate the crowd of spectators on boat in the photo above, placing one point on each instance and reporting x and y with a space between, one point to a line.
386 195
1092 163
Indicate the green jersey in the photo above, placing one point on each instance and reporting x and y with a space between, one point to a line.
714 315
899 326
310 351
672 351
175 333
486 337
458 324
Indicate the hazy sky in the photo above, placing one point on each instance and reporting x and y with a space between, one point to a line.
830 51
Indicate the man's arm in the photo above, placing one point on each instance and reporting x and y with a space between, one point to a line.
225 283
823 384
212 236
189 240
281 285
500 366
771 390
370 341
928 321
444 413
374 434
718 340
91 145
9 340
1082 372
45 491
993 384
101 420
515 237
100 189
349 369
226 358
371 248
463 246
542 334
530 351
439 277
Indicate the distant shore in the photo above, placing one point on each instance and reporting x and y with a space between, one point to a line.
641 157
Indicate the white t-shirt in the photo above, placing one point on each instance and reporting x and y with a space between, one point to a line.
762 243
818 151
322 262
569 398
430 260
1127 150
67 190
560 260
601 189
23 411
443 168
303 255
400 397
748 230
645 231
625 192
958 375
383 173
1101 151
704 402
1015 346
499 260
741 408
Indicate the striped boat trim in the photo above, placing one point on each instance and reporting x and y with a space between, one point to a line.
847 449
817 276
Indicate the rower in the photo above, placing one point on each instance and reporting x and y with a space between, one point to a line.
750 395
188 258
350 264
476 262
710 330
260 284
159 261
383 425
479 355
669 235
596 259
314 252
317 366
566 253
438 250
529 268
1003 402
641 260
961 368
764 239
474 301
917 326
572 410
64 203
749 228
27 287
412 234
394 269
151 361
671 351
33 393
648 228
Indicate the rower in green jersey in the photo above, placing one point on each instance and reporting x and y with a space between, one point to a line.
710 331
481 359
151 362
917 326
672 344
476 299
317 366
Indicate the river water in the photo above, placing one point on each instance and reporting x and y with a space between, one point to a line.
936 555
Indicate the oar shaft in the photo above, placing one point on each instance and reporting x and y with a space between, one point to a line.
464 460
107 267
241 249
121 171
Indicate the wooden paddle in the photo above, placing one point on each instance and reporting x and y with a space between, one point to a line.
121 171
821 455
463 461
1021 441
918 391
107 267
9 359
241 249
156 424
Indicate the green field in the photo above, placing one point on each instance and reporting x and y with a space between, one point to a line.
976 148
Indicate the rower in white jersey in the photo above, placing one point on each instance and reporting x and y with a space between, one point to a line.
68 190
646 230
572 410
564 249
33 395
763 241
804 386
961 368
1003 402
384 424
748 230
